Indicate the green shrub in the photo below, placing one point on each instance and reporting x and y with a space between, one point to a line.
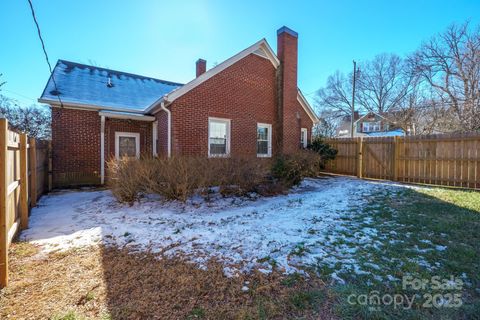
291 169
326 151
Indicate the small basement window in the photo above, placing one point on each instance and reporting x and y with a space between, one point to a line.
127 144
218 137
303 137
264 140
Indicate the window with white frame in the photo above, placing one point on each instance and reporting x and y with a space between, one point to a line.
127 144
218 137
303 137
371 126
264 140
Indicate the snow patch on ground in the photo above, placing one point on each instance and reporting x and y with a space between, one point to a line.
302 228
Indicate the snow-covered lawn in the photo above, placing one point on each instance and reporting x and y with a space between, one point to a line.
367 235
302 228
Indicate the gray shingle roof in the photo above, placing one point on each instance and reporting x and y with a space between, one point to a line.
83 84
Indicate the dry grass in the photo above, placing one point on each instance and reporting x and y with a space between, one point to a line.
44 287
115 284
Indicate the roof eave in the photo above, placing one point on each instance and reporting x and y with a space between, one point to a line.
86 106
307 107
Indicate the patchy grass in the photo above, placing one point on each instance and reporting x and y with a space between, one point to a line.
367 250
413 232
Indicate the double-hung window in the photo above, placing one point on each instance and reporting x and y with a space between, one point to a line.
264 140
303 137
127 144
218 137
371 126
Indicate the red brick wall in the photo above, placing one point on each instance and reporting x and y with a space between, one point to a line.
121 125
76 144
290 109
75 147
162 140
244 92
304 122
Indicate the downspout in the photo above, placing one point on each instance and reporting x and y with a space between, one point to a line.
102 149
169 128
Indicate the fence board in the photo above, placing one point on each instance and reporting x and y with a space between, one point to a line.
447 160
22 180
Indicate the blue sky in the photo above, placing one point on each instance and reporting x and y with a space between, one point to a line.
163 39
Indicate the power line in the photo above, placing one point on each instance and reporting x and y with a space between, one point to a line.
45 52
20 95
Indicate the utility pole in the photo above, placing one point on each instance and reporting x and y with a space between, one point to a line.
353 98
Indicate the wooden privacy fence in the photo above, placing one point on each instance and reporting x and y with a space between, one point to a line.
24 175
445 160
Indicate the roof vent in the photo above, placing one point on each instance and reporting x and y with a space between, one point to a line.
109 82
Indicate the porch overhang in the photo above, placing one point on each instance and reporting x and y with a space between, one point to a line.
126 115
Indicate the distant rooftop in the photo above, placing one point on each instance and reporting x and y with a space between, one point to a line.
89 85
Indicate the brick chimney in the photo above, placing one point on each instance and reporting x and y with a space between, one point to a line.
288 124
201 66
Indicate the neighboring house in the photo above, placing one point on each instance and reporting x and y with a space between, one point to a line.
247 105
369 125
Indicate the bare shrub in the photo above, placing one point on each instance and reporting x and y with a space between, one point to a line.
174 178
239 175
124 179
177 178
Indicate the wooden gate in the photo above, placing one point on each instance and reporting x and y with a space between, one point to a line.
378 157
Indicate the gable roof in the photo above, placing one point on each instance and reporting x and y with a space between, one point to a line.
374 113
260 48
88 86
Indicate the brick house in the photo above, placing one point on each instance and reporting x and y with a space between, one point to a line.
247 105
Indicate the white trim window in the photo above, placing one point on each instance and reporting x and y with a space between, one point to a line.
371 126
218 137
127 144
304 138
264 140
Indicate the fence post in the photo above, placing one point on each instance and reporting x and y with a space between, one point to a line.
395 158
3 202
360 158
33 172
23 182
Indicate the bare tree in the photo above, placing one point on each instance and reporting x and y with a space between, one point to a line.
335 97
34 120
383 83
450 63
333 103
328 124
1 82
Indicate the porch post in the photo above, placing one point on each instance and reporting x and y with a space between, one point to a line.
102 149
